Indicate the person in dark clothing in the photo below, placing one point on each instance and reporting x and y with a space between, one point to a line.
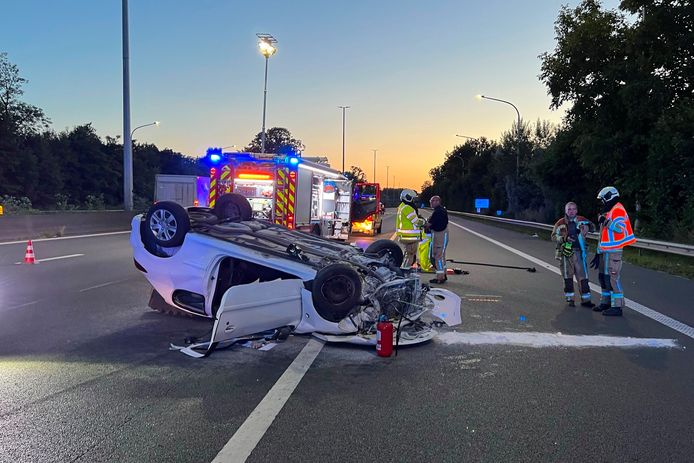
438 225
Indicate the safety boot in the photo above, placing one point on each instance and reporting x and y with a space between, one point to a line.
601 307
571 303
588 305
613 312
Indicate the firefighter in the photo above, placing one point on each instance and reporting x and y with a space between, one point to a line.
569 233
408 226
615 234
438 225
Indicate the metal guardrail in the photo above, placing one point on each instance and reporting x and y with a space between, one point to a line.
642 243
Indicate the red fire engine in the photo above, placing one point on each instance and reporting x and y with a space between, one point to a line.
288 190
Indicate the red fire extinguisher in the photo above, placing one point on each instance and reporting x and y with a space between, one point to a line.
384 337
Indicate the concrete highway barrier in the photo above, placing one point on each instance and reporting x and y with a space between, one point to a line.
52 224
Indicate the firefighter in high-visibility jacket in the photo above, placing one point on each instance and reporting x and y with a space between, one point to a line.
570 233
615 234
408 227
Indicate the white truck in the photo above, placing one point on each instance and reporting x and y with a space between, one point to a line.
186 190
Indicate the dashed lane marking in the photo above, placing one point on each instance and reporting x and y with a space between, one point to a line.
633 305
70 256
247 437
66 237
104 284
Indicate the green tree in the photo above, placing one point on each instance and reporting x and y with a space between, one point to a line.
277 140
628 75
356 174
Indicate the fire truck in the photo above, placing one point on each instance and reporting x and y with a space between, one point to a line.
296 192
367 209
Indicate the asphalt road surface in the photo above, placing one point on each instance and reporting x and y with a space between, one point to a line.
86 374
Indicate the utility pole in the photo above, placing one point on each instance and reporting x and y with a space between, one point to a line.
374 165
343 135
127 136
387 176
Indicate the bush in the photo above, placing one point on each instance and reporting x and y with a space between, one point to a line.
12 205
62 202
95 202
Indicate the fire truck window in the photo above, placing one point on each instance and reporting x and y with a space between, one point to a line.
367 190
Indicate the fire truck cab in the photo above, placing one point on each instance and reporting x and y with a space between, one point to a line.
367 209
288 190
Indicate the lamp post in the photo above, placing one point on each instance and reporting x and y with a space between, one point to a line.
480 97
465 136
343 108
127 135
266 44
387 176
144 125
374 165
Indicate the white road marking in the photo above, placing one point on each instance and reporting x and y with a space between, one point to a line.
70 256
643 310
65 237
538 340
246 438
104 284
23 305
481 295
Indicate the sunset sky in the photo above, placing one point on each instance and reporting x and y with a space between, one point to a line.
408 69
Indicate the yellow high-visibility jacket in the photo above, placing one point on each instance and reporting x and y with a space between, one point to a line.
407 224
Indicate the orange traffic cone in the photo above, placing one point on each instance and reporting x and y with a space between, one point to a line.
29 257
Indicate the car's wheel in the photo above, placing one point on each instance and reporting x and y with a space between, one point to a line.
336 291
315 230
168 222
233 207
388 248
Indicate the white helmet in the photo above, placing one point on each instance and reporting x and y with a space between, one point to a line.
608 193
408 195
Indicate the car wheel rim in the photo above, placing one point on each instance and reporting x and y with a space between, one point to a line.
338 289
163 224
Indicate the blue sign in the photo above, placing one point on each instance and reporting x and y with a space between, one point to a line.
499 213
482 203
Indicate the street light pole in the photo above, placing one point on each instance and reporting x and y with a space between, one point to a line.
387 176
266 43
144 125
517 127
465 136
127 136
343 135
374 165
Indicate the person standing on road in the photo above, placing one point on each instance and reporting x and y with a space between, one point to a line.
408 226
615 234
570 233
438 225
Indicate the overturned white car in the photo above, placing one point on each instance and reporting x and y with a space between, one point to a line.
252 276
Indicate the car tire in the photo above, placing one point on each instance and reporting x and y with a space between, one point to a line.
336 291
233 207
168 223
387 247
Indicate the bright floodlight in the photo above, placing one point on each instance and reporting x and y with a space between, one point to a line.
157 123
479 97
266 44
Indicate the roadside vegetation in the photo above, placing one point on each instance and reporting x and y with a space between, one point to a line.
627 75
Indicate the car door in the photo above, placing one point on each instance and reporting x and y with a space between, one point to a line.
257 307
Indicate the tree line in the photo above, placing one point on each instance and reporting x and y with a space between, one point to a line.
628 76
